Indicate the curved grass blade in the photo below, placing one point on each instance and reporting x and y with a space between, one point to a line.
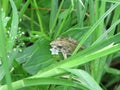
107 32
85 79
24 8
55 20
14 27
44 81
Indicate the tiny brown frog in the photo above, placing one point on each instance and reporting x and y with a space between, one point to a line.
64 45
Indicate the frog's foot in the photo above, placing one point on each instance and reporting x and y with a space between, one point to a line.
64 55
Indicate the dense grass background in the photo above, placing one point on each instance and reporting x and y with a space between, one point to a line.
28 26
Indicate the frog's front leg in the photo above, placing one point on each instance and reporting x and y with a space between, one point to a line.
64 55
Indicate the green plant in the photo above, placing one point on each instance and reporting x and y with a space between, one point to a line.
95 24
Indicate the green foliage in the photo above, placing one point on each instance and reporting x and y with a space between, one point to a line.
28 27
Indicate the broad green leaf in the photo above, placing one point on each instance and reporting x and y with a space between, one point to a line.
36 57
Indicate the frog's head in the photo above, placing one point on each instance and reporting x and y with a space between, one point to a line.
56 45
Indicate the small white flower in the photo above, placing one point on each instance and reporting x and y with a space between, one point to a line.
36 35
23 33
54 51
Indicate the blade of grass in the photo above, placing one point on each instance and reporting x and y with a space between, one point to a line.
40 20
87 34
92 19
5 4
24 7
44 81
101 45
107 32
63 22
38 15
112 71
96 9
3 51
94 13
75 28
55 20
18 3
97 68
14 27
81 12
32 17
115 17
54 8
85 79
101 28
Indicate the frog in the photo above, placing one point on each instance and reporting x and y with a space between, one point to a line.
64 45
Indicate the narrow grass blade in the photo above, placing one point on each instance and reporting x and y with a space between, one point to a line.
3 51
112 70
92 19
54 7
81 12
63 22
5 4
55 20
105 34
38 15
44 81
101 28
40 20
14 27
115 18
24 8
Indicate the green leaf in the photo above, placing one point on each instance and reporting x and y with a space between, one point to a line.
3 50
112 70
14 27
36 57
85 79
54 7
44 81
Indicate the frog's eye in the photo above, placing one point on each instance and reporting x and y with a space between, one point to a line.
59 46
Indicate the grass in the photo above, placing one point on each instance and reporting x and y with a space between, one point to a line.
28 27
